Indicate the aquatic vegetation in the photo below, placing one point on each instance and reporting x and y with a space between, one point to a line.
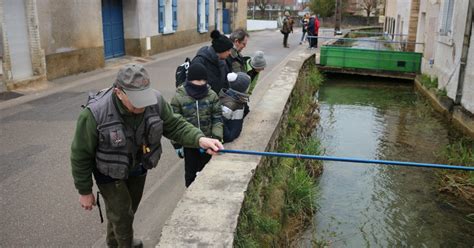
429 82
442 92
280 200
459 183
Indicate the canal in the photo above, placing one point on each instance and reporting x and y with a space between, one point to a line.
368 205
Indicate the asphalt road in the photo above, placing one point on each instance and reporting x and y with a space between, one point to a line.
38 202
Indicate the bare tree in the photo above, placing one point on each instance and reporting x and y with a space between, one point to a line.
368 6
262 4
324 8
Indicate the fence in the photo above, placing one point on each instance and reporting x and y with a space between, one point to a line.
347 21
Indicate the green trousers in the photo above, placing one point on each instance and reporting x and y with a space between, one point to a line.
121 199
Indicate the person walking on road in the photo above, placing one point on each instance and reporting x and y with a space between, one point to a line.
213 58
200 106
287 28
118 139
236 61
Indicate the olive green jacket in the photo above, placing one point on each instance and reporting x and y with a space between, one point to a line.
235 61
85 141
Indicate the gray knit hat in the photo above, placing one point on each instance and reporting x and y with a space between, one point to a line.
133 79
239 81
258 60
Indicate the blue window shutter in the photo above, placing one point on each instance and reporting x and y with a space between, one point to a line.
161 15
198 15
207 15
174 6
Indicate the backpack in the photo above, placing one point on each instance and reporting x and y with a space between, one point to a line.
182 72
93 97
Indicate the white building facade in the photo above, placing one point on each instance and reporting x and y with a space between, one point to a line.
48 39
401 20
445 27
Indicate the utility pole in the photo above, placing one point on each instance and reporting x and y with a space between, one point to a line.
338 15
253 10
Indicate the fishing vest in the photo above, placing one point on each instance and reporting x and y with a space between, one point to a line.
119 144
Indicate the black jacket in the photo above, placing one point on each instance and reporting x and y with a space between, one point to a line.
216 69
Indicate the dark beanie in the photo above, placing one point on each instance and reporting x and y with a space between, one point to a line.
220 42
197 71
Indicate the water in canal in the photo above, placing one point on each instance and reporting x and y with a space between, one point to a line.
366 205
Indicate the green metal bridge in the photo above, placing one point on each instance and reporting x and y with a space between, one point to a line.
372 62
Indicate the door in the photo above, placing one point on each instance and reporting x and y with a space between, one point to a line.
112 23
17 38
226 21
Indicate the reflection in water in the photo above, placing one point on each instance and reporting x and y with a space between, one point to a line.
367 205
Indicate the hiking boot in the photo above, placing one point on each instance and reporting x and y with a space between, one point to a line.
136 243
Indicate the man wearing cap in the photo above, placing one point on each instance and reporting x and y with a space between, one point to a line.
236 61
213 58
117 140
254 66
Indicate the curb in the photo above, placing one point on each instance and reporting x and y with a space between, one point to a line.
208 212
108 71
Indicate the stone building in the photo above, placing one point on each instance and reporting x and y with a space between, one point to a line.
401 20
442 30
48 39
446 29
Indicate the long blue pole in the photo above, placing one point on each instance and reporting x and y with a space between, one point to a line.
354 160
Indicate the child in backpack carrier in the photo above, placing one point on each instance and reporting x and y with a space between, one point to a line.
199 105
234 104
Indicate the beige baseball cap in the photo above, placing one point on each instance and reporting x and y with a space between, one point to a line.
133 79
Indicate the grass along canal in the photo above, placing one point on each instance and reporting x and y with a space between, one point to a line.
280 200
366 205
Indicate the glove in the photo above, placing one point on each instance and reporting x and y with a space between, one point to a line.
180 152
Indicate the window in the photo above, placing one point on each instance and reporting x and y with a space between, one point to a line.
447 17
202 15
167 16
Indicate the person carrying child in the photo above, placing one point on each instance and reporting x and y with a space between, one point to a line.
199 105
234 104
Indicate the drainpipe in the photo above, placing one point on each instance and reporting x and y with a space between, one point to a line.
253 10
464 52
215 15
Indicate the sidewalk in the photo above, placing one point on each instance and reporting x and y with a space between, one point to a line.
35 167
207 214
111 68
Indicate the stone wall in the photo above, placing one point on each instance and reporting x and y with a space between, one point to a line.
34 45
71 36
207 214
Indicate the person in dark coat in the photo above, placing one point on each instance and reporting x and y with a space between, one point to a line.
313 30
213 58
